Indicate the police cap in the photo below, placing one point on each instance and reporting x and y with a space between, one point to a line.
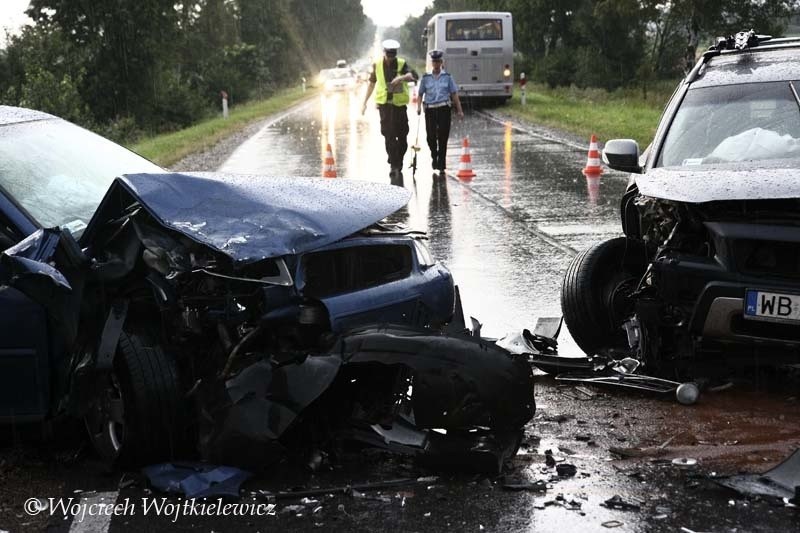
436 55
390 44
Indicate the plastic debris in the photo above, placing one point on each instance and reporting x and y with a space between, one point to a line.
566 470
196 480
780 482
612 523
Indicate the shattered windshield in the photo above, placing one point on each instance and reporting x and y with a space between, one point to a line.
733 123
59 172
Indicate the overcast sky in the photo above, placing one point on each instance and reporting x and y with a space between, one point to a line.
12 16
385 13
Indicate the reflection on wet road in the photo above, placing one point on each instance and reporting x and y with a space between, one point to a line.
507 234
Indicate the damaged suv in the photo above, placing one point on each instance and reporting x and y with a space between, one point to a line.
219 312
708 269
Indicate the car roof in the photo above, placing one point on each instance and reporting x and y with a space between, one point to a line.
752 66
14 115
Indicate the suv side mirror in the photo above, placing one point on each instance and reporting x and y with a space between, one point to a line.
622 154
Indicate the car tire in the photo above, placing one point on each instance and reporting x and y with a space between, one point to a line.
136 416
590 293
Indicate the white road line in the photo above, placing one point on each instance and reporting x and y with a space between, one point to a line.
502 119
95 522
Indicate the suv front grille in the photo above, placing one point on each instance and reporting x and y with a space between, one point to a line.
773 258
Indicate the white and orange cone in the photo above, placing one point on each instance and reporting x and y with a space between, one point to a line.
465 164
328 166
593 167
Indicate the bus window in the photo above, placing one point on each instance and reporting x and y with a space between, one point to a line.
474 30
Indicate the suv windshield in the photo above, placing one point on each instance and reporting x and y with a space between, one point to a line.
746 122
59 172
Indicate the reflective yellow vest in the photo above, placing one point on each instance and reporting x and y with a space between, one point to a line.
382 90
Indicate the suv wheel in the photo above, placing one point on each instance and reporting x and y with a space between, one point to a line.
595 292
135 417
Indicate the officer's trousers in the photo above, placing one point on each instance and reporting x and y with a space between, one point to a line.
394 128
437 127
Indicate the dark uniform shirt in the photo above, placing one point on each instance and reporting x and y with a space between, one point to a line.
389 72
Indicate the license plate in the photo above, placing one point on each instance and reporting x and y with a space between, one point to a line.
772 306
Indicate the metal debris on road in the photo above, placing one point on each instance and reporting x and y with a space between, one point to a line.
612 524
684 462
617 502
536 486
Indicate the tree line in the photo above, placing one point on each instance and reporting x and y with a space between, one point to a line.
613 43
127 66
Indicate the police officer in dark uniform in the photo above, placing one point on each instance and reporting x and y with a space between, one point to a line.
389 79
439 92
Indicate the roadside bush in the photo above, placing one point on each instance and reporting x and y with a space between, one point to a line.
58 95
556 69
122 130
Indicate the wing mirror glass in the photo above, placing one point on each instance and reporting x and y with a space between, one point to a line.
623 155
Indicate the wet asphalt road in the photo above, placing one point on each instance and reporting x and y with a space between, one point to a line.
507 235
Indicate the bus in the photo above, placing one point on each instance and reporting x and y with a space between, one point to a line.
478 51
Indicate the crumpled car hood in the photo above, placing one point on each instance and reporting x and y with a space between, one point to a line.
250 218
710 183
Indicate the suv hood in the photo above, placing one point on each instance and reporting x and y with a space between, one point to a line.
250 218
721 182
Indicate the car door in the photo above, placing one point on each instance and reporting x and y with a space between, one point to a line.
24 355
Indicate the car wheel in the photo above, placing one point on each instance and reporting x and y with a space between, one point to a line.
135 417
595 293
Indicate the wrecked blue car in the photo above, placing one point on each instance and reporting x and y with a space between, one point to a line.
238 317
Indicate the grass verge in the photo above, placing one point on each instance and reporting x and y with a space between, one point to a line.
610 115
168 148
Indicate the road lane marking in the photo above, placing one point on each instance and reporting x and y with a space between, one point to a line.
517 126
528 227
97 522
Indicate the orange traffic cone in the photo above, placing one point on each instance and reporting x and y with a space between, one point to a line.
593 167
465 164
328 166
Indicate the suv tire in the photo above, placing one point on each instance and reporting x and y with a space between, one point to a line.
590 292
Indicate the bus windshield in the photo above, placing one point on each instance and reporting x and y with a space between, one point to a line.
474 30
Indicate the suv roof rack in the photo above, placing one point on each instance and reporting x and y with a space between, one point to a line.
744 40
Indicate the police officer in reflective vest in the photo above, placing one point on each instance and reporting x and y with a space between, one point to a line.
439 92
389 80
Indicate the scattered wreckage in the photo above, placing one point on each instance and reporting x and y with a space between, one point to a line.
706 274
246 317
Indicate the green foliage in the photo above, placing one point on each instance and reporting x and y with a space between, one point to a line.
168 148
608 114
615 43
42 90
124 67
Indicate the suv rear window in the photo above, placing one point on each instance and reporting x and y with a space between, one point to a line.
351 269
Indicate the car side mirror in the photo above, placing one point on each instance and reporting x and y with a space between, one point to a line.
622 154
